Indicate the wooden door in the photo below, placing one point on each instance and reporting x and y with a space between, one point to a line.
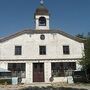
38 72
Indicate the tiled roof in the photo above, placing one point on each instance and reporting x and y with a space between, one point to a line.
41 10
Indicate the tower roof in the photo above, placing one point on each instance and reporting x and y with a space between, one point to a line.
42 10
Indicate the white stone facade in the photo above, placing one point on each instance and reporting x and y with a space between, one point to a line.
30 53
30 47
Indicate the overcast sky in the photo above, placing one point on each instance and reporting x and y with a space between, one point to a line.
71 16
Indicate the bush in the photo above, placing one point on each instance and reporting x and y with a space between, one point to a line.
5 81
79 76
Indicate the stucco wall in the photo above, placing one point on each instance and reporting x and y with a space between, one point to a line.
30 47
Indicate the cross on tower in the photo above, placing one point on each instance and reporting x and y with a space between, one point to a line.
42 1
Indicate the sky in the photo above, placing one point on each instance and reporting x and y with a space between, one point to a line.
70 16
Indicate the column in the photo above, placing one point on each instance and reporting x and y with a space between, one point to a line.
47 71
29 77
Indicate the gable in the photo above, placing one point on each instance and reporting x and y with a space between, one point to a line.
41 32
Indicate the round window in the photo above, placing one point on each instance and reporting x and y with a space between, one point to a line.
42 37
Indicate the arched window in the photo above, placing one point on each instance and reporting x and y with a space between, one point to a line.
42 21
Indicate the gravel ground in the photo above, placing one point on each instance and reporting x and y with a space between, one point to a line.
18 87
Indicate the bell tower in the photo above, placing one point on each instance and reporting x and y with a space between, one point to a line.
42 17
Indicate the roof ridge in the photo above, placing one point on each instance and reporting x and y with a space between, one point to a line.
32 31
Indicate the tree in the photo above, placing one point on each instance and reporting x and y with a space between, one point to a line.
80 35
85 62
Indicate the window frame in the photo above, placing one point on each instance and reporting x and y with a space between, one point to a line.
61 69
42 50
42 21
17 69
18 50
66 49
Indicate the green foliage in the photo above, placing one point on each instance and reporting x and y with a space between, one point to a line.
86 58
3 81
80 35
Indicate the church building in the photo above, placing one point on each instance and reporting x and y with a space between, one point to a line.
37 54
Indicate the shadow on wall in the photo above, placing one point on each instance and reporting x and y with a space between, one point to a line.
52 88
